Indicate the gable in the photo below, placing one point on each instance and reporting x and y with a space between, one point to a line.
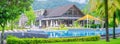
58 11
62 10
73 12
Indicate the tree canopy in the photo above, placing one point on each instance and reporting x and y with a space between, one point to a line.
11 9
97 8
30 15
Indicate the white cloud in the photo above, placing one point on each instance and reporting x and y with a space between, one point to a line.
41 0
79 1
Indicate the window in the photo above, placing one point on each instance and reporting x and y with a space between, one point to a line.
70 12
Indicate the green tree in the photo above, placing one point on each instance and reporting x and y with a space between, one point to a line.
112 8
106 20
76 24
13 23
31 16
11 9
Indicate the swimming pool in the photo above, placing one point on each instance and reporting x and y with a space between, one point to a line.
79 32
60 33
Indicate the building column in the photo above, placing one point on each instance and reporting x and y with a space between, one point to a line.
47 23
51 23
56 23
40 23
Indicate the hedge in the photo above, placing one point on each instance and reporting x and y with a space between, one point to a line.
15 40
93 25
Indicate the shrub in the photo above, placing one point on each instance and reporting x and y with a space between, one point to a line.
62 25
76 24
93 25
15 40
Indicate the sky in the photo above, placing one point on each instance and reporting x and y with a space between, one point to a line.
42 0
78 1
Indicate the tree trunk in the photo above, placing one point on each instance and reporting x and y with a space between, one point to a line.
32 24
106 20
114 25
2 34
12 25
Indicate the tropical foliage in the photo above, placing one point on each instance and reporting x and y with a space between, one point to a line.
10 10
97 8
107 10
31 16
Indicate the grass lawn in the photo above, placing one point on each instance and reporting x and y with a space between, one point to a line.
112 41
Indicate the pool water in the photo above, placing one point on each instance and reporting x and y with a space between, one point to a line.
79 32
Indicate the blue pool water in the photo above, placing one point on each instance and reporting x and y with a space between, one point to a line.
60 33
79 32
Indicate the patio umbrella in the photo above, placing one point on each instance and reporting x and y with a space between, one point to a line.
88 17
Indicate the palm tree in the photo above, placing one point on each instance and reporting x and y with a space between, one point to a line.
106 20
98 8
114 25
116 16
113 7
